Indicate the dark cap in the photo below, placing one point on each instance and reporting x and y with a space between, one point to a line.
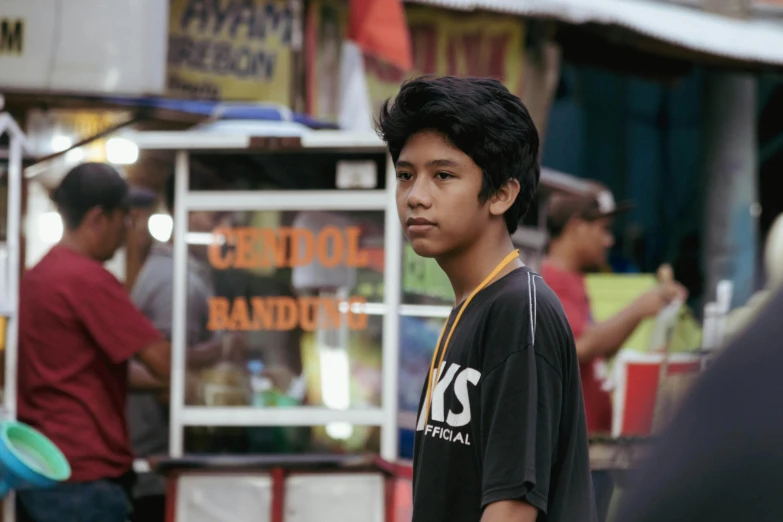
142 197
87 186
595 202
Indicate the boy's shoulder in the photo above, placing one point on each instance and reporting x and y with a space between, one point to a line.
524 312
523 290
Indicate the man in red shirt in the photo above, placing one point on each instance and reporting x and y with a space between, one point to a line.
580 233
77 330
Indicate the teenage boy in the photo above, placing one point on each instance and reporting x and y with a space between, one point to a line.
501 433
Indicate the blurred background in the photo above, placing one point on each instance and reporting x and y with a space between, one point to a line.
672 104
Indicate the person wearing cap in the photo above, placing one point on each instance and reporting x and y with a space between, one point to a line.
143 204
77 331
580 236
142 198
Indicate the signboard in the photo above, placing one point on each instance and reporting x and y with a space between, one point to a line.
443 43
286 247
456 44
231 50
46 46
282 284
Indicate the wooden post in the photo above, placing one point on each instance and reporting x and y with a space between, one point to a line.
541 73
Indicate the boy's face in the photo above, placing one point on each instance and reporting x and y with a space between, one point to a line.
438 189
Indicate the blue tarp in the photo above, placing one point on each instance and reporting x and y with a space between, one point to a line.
229 111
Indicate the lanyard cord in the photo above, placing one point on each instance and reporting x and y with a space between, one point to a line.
428 402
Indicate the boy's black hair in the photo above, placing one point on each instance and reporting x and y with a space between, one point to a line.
480 117
87 186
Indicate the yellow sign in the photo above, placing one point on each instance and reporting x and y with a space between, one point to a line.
456 44
443 43
611 293
228 50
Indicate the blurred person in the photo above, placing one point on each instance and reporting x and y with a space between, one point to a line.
719 460
740 317
580 235
77 331
143 203
153 293
501 434
580 232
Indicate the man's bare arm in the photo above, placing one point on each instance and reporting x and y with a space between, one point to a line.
205 354
140 378
211 352
156 358
509 511
606 338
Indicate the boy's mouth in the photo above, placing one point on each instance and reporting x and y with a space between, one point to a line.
419 225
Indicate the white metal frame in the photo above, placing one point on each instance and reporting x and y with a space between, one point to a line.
17 146
210 140
288 200
386 417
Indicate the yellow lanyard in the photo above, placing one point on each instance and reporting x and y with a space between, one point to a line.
503 264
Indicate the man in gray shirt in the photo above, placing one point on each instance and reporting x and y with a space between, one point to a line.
147 409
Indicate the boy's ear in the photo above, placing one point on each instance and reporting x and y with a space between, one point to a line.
506 195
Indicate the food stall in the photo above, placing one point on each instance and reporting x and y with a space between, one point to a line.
319 233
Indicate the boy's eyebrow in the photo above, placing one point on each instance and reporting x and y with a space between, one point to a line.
433 163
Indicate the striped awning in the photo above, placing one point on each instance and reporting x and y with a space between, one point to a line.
758 42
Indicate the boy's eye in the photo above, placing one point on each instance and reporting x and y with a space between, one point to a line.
403 176
443 175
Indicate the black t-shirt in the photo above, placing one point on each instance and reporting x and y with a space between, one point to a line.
507 419
721 459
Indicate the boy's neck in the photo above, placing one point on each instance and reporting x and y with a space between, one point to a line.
468 269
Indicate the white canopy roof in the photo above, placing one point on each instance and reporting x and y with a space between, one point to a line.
754 41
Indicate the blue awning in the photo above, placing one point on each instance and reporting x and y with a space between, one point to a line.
223 110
